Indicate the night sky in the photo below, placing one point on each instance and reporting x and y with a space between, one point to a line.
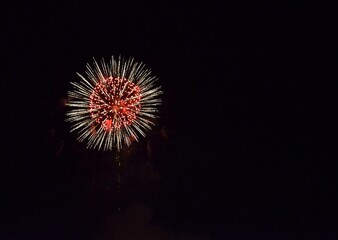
245 146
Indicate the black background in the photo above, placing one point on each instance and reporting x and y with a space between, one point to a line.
246 140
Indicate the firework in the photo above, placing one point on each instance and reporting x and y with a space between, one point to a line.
114 104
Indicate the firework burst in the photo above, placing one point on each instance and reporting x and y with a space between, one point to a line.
114 104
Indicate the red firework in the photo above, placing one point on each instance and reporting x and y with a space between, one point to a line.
112 110
115 103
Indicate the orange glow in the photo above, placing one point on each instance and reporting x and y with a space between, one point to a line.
108 123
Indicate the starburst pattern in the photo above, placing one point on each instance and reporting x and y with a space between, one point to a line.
114 104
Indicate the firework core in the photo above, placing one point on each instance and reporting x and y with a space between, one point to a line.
114 103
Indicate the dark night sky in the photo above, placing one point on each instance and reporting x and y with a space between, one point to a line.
245 147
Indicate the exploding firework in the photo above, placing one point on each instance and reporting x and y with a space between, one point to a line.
114 104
